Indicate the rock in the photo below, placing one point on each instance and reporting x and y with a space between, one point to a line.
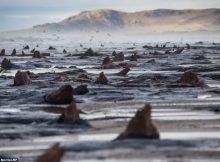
119 57
2 52
178 51
64 51
37 54
21 78
190 77
13 52
110 66
133 57
164 46
83 77
26 47
102 79
124 71
106 61
188 46
90 52
167 52
114 53
64 95
54 154
51 48
23 53
81 90
141 126
6 64
151 61
70 115
33 50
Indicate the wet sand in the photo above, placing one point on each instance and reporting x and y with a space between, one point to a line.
186 116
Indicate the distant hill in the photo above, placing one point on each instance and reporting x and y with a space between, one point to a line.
161 20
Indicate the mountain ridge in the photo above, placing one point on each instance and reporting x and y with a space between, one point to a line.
159 20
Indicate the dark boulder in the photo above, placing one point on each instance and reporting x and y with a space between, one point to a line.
6 64
22 78
64 95
37 54
81 90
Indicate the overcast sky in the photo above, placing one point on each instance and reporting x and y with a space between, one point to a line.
19 14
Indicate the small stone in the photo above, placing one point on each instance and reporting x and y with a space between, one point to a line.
33 50
37 54
190 77
54 154
188 46
133 57
106 61
23 53
6 64
81 90
64 51
83 77
70 115
89 52
141 126
114 53
119 57
178 51
51 48
64 95
13 52
102 79
26 47
2 52
124 71
21 78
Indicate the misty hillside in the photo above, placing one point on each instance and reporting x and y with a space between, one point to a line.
147 21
